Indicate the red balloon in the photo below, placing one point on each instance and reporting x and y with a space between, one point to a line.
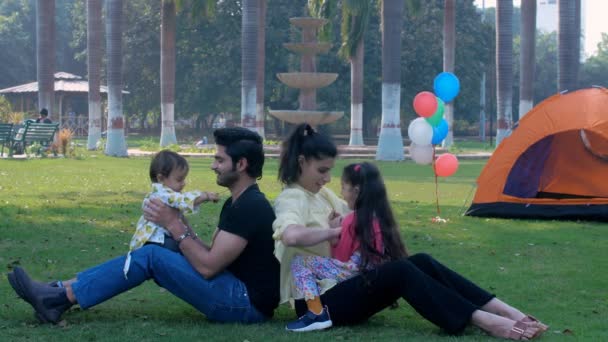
425 104
446 165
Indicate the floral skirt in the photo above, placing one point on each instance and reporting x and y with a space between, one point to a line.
309 271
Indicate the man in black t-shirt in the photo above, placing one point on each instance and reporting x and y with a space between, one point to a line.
235 278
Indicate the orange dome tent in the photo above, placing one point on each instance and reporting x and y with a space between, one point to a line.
554 164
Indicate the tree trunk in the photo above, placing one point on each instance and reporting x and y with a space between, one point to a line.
116 144
390 142
356 96
449 49
259 106
45 54
504 68
249 44
167 73
527 59
568 44
94 36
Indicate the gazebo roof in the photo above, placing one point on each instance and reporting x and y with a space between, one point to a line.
64 82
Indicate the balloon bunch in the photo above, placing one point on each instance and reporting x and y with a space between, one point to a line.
431 128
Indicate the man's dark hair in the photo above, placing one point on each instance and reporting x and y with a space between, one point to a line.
44 112
164 162
242 143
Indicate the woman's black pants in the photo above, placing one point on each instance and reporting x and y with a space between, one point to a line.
439 294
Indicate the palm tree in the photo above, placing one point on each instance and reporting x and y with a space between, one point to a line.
45 54
116 144
390 143
259 105
355 19
356 95
526 57
94 31
169 9
504 68
449 49
568 42
249 45
167 73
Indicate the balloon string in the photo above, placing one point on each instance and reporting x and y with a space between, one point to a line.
436 185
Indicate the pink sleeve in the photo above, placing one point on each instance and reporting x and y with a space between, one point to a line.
347 245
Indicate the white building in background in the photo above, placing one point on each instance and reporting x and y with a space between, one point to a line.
547 15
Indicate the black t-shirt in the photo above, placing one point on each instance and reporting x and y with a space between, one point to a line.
251 217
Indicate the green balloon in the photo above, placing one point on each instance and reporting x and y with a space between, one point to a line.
435 119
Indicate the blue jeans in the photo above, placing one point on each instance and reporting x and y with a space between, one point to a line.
223 298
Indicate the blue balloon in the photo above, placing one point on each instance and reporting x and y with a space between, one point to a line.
440 132
446 86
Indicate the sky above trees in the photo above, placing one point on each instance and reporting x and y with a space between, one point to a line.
595 22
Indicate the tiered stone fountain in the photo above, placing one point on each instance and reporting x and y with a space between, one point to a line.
308 80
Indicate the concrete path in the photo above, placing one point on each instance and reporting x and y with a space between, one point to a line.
273 151
345 152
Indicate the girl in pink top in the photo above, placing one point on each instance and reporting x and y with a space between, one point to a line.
369 237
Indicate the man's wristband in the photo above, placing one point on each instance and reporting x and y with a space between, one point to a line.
182 237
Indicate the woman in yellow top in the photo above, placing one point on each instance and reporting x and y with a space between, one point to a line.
439 294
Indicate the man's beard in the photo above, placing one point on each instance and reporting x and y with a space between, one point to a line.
227 178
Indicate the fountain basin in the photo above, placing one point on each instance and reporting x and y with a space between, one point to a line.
313 118
307 80
308 48
307 22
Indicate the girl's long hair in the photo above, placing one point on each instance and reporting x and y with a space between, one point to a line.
372 205
303 141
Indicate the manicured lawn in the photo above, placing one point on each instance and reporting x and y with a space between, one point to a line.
59 216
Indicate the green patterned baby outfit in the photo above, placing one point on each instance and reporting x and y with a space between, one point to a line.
147 231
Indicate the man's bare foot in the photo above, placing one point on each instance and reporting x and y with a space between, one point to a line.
499 326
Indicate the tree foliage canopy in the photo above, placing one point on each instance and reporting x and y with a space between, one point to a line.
208 56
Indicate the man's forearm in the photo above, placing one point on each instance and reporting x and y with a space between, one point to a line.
193 248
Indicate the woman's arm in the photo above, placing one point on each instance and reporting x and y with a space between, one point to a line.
296 235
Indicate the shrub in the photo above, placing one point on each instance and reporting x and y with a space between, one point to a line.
5 109
64 139
16 117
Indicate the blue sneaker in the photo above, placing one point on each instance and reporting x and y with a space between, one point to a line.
311 321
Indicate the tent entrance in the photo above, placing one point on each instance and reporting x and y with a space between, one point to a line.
570 164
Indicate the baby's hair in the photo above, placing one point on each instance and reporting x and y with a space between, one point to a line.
371 205
164 162
303 141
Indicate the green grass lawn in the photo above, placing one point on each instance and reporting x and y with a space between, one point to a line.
59 216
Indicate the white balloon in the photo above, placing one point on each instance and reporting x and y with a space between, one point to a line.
421 154
420 132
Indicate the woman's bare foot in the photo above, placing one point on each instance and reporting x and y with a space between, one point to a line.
531 319
499 326
498 307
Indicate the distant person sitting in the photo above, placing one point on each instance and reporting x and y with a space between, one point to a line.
44 117
202 143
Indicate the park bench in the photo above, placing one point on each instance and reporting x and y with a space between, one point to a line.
6 130
32 132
